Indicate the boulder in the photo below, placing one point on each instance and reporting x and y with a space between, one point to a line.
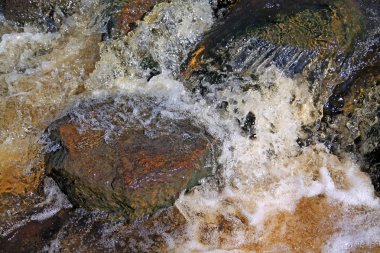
125 156
123 15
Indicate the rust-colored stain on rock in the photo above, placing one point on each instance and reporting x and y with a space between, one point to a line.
135 10
132 172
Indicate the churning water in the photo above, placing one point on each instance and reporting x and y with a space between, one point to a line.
268 194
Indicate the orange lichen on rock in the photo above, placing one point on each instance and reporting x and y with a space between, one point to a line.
195 60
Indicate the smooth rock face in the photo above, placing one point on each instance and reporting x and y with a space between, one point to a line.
140 166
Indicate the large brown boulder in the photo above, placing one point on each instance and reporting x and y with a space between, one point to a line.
124 156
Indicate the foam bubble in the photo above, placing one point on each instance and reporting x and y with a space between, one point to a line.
54 201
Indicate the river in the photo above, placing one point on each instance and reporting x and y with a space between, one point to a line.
269 193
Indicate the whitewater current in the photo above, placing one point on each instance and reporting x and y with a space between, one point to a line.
268 193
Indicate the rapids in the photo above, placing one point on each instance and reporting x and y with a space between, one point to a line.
269 194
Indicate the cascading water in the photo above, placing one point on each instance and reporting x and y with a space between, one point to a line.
269 193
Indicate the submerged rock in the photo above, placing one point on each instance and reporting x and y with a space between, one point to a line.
127 156
296 36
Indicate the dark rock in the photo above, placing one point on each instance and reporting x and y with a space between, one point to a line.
296 36
123 155
143 235
37 11
222 7
248 125
35 235
351 112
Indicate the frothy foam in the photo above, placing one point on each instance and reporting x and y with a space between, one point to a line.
269 177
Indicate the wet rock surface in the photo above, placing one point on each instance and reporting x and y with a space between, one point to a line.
125 14
49 13
143 167
321 41
35 235
69 229
351 113
299 37
133 156
135 10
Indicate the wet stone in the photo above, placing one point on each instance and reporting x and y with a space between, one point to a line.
38 11
135 10
351 113
299 37
34 236
127 156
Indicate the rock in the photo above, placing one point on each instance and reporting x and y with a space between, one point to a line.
89 231
35 235
125 14
222 7
43 11
296 36
125 156
352 112
135 10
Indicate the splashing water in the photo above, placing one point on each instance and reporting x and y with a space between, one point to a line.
269 194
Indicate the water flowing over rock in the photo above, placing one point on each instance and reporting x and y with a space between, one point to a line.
135 10
352 112
127 156
296 36
272 104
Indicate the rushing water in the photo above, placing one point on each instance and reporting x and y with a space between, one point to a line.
269 194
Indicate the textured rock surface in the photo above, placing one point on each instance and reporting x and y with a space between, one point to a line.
135 10
35 235
296 36
44 11
352 113
126 157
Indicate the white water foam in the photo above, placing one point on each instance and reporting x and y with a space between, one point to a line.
260 178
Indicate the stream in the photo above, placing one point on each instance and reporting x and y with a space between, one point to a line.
269 193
